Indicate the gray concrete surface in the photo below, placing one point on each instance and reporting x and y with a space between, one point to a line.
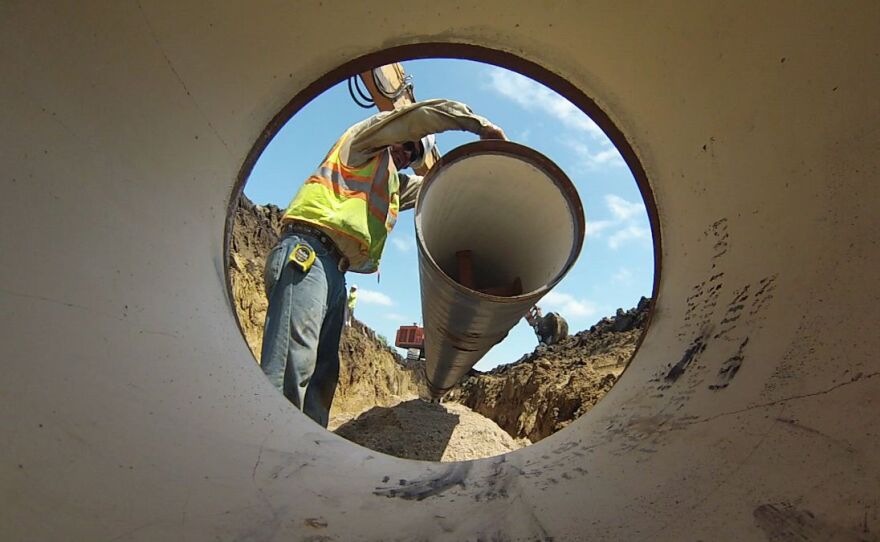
132 410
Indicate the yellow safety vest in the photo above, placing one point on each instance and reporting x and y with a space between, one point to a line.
355 206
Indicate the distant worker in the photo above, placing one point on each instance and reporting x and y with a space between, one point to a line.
533 317
350 304
338 221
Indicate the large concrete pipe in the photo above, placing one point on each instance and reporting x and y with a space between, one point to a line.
517 220
132 409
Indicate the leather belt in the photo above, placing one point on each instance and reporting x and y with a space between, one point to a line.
342 262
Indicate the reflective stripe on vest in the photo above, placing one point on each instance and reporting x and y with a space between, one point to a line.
358 203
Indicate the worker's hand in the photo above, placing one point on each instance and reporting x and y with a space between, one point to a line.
493 132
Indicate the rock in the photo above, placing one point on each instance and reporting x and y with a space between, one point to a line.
623 322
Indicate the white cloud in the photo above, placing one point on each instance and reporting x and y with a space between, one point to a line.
396 317
625 214
629 233
626 222
608 156
595 227
622 276
567 305
532 95
403 243
626 217
604 155
371 297
623 209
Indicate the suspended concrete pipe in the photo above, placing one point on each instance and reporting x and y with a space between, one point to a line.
132 409
513 219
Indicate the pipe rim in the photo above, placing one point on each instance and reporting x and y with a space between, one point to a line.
532 157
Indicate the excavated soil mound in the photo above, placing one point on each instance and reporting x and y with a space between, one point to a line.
548 389
372 374
254 233
417 429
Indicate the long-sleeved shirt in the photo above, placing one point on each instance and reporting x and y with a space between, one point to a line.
410 123
374 135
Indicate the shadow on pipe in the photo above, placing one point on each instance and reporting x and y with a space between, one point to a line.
497 226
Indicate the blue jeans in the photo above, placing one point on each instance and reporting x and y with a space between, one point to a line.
301 335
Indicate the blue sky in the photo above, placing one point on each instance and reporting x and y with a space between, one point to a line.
616 264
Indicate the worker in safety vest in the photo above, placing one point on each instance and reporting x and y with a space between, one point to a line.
339 221
351 304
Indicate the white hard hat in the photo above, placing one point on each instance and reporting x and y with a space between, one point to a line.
354 286
427 143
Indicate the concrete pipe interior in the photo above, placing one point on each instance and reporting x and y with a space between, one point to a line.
130 404
512 215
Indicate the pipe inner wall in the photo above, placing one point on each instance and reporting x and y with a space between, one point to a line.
513 216
132 409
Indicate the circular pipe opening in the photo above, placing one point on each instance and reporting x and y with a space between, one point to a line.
532 231
455 51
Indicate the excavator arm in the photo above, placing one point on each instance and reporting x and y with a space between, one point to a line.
549 329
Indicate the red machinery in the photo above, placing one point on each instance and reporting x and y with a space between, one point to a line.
413 339
549 329
410 337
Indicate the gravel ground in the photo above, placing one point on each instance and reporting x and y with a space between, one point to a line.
416 429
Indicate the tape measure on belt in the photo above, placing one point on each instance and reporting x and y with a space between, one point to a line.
302 256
